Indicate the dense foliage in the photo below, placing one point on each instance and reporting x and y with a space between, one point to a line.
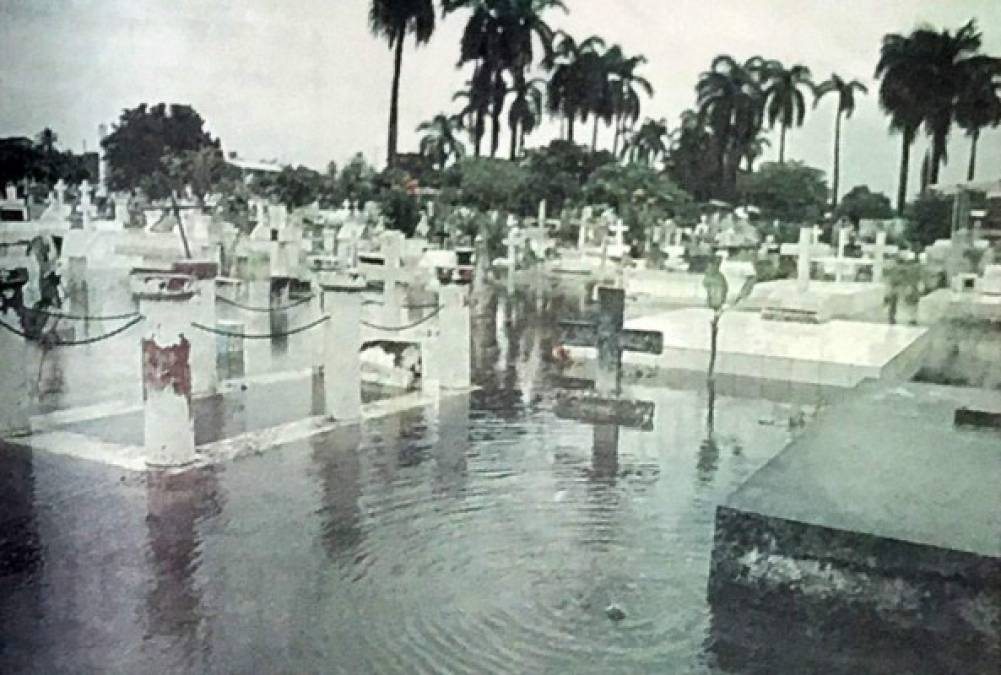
861 203
790 192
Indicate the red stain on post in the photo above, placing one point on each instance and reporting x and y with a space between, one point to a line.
167 367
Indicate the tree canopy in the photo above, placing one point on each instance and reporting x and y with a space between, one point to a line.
790 192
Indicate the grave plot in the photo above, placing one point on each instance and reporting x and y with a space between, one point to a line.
197 404
884 513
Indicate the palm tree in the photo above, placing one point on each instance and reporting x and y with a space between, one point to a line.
46 141
900 97
922 77
649 143
730 101
439 142
472 114
498 38
754 150
393 19
784 102
572 66
525 112
979 106
626 89
845 92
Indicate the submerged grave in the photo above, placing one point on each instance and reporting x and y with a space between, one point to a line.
881 514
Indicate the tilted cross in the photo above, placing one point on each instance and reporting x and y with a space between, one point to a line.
610 338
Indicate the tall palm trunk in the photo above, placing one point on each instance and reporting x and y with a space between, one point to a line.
594 135
570 128
836 173
495 130
615 138
782 144
905 159
514 141
478 128
972 169
937 157
394 102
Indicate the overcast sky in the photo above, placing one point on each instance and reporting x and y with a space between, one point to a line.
305 82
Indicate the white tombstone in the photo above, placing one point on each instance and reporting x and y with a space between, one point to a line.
513 241
843 235
11 192
85 203
542 213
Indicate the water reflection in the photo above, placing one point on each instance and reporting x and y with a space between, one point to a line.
176 504
337 463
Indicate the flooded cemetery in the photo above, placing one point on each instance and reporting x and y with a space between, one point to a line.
649 409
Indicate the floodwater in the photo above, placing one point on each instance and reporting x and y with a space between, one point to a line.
480 535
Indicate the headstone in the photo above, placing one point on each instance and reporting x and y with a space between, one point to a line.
990 282
806 236
11 192
878 253
843 235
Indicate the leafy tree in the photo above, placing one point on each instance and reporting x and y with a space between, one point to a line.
401 209
692 158
296 186
784 100
488 184
845 92
145 143
929 217
393 19
638 193
860 202
626 89
357 180
790 192
558 171
525 113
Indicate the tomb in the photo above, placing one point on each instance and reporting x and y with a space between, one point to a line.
882 513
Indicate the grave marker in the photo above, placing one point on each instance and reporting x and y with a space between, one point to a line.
610 338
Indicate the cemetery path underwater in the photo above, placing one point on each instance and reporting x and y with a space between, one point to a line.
478 535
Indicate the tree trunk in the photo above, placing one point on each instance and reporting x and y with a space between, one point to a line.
514 142
615 139
905 158
782 145
478 129
394 104
972 170
495 130
594 135
180 226
570 128
937 151
835 175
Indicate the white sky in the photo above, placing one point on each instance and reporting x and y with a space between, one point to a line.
305 82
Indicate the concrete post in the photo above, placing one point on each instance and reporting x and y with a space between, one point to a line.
803 259
878 261
393 295
229 350
512 241
205 379
342 296
278 300
168 302
453 344
77 291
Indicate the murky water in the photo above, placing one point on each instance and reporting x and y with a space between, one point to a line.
482 535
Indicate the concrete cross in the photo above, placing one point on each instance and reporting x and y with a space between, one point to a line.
842 242
610 338
394 277
806 235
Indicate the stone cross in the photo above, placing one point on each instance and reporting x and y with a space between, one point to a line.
619 229
11 192
60 190
394 277
610 338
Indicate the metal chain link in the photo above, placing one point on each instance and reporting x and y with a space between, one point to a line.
250 308
260 336
397 329
45 341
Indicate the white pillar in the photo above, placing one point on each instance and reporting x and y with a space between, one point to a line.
393 295
167 301
878 260
342 295
449 365
803 259
542 213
